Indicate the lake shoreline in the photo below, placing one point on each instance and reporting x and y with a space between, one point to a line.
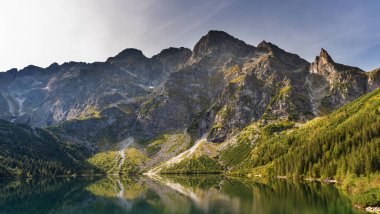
369 209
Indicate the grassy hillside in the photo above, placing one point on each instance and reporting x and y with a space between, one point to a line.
111 162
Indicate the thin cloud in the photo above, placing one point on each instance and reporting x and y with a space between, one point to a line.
41 32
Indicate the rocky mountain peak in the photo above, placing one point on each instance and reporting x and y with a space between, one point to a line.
217 42
268 47
214 35
173 57
172 53
324 57
323 64
293 61
13 70
128 54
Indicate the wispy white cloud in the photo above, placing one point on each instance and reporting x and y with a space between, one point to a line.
43 31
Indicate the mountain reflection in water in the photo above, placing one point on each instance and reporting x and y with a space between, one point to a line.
169 194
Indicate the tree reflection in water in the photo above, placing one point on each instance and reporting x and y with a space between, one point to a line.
169 194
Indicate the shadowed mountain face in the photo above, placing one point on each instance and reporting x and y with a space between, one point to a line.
220 87
42 97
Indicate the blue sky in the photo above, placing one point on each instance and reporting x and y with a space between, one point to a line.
41 32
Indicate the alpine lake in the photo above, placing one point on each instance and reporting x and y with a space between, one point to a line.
170 194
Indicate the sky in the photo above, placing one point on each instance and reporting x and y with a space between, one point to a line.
41 32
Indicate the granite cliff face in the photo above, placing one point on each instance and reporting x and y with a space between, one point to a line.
226 85
218 88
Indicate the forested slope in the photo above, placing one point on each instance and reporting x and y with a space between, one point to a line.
26 151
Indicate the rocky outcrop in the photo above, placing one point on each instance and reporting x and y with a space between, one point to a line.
373 80
332 85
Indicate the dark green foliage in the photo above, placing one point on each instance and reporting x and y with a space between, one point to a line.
154 145
368 198
200 165
347 141
278 127
364 191
27 152
153 150
236 154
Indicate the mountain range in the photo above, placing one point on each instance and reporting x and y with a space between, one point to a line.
225 106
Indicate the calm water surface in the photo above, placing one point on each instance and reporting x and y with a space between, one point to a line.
174 194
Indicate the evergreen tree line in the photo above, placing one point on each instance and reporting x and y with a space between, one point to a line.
345 142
